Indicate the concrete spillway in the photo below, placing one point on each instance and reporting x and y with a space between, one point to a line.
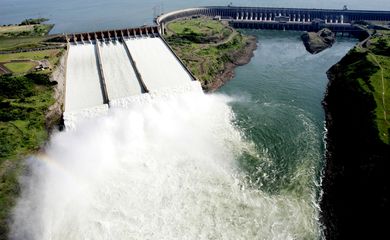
120 77
158 66
83 88
115 72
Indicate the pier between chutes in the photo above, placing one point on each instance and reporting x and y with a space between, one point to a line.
101 74
134 64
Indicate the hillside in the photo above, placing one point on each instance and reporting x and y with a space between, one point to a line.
356 180
26 94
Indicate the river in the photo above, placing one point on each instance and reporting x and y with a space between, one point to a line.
278 106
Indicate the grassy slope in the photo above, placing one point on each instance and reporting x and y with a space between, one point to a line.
20 67
204 45
24 37
23 102
8 44
52 55
200 27
366 66
36 55
382 111
378 55
356 175
7 30
25 30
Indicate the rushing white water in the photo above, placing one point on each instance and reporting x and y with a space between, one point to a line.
164 168
119 75
160 70
157 65
82 78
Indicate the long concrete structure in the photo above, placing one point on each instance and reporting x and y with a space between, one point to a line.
108 69
302 19
114 35
272 14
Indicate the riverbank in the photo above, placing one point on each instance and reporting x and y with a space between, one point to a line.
211 49
24 129
357 106
31 99
239 58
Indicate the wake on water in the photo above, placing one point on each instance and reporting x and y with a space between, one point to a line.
159 168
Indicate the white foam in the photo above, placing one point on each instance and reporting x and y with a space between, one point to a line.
160 70
120 78
83 88
163 169
74 118
158 66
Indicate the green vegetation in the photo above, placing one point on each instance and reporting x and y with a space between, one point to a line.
20 67
14 61
379 54
10 44
31 21
205 46
51 54
24 38
9 30
31 33
370 67
199 30
25 30
23 102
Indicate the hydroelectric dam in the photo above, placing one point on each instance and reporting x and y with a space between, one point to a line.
297 19
109 67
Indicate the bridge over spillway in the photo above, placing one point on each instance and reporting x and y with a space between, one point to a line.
302 19
112 65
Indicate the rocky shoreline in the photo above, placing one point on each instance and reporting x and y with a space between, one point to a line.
241 57
53 115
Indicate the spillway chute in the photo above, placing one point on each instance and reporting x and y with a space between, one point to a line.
119 70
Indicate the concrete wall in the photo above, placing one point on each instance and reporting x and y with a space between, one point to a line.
282 16
109 35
